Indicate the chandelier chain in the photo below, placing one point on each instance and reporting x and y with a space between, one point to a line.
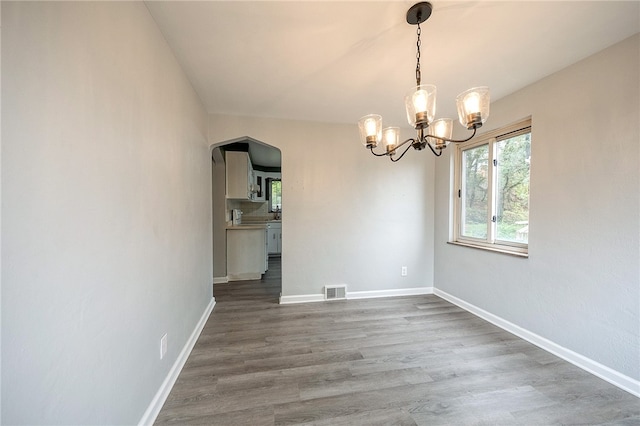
418 75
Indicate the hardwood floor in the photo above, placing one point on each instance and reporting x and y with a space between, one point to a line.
395 361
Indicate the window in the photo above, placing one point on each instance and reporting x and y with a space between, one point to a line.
274 186
492 190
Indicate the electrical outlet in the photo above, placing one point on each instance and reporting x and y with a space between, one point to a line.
163 346
404 271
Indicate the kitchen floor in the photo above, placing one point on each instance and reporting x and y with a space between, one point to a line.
415 360
266 289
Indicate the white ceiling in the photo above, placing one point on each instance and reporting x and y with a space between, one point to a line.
336 61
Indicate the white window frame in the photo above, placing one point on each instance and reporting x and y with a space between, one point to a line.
490 243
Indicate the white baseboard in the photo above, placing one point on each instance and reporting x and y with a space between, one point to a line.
220 280
306 298
160 397
245 276
301 298
614 377
389 293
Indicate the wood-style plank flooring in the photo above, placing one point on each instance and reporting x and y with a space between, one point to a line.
394 361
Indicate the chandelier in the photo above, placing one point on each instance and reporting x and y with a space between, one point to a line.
420 103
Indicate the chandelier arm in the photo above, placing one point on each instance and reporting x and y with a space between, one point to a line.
403 143
403 152
454 140
394 150
377 155
438 153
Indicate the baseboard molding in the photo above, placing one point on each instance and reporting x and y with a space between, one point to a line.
245 276
301 298
614 377
160 397
220 280
389 293
353 295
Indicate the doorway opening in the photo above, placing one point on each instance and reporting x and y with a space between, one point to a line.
247 207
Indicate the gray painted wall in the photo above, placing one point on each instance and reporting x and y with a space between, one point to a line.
106 212
350 218
580 287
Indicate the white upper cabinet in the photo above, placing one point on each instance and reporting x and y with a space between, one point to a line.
240 181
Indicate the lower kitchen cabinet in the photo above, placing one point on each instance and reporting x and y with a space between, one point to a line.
274 237
245 252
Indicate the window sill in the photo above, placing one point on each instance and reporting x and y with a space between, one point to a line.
500 249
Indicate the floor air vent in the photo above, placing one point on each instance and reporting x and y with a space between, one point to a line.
335 292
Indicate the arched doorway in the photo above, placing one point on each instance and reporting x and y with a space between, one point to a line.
247 218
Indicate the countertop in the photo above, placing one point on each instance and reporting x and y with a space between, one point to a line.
247 227
250 224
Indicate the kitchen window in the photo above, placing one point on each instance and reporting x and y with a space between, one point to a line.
274 187
491 195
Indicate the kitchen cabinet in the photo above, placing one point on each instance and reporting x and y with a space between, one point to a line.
239 176
274 237
266 248
246 252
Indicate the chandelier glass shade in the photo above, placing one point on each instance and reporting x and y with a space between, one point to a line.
420 104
